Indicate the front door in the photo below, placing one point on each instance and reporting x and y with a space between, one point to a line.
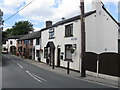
58 57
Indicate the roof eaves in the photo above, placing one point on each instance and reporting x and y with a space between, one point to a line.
31 36
69 20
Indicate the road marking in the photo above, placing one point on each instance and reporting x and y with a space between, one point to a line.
33 76
39 77
12 60
19 65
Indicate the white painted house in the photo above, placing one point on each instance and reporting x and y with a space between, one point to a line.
64 37
30 45
11 43
36 44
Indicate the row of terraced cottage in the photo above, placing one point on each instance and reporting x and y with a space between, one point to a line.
61 42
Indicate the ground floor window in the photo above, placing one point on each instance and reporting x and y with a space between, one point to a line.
37 53
45 52
30 53
68 54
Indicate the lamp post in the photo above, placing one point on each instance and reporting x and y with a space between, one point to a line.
83 73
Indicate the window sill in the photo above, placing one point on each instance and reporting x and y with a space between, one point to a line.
52 38
69 60
68 36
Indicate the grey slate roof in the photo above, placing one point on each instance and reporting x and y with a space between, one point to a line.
31 36
69 20
15 37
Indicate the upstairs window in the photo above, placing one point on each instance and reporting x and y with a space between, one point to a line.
19 42
51 33
11 42
69 30
37 41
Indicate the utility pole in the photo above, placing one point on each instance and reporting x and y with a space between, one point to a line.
83 72
1 28
1 20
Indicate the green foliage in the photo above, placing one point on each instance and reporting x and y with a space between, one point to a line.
8 32
4 35
20 28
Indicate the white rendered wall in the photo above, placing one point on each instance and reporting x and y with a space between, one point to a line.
14 43
37 47
101 33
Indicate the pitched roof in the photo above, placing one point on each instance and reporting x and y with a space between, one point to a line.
31 36
69 20
15 37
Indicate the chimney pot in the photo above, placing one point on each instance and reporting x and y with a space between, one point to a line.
48 23
63 18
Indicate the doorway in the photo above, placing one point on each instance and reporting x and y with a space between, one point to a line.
51 51
13 49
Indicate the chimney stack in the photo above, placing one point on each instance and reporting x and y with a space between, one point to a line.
48 24
96 4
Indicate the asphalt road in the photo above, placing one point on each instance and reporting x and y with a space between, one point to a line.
17 73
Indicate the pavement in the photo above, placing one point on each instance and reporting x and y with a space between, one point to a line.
74 74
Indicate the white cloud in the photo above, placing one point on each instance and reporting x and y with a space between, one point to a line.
42 10
5 28
10 6
39 10
37 29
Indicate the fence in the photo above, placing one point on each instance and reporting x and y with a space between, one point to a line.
91 61
108 63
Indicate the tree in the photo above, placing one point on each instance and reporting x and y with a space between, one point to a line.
20 28
8 32
4 35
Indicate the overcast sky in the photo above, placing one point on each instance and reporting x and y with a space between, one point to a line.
41 10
